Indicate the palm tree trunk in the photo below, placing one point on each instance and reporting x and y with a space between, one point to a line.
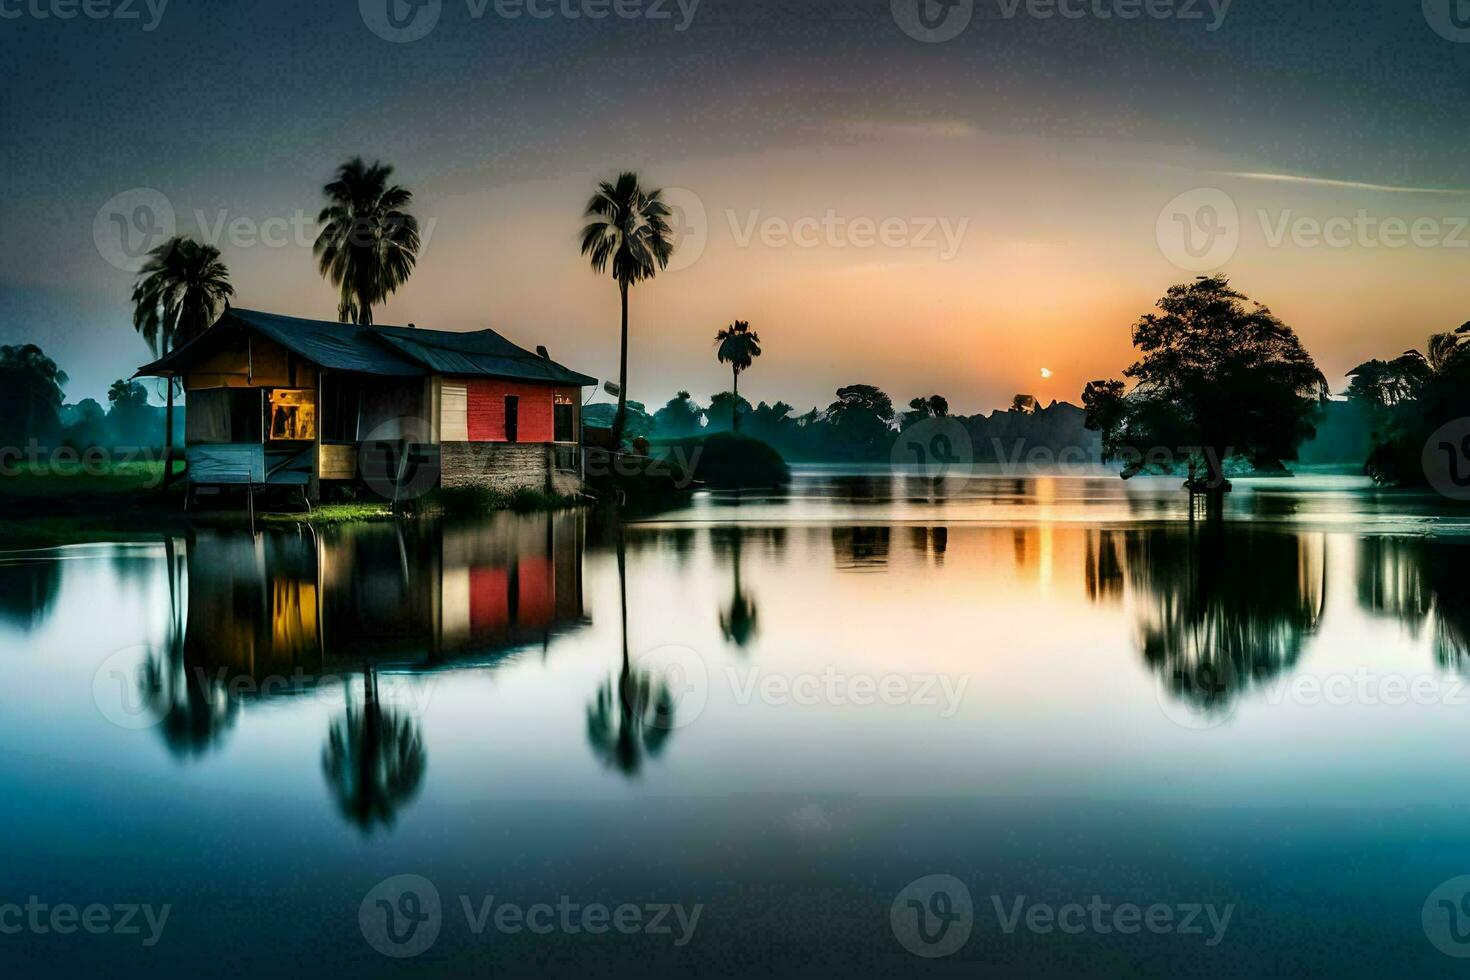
168 435
623 595
622 415
735 401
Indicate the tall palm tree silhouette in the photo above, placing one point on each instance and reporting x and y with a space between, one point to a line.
738 347
628 230
369 243
633 714
181 290
374 760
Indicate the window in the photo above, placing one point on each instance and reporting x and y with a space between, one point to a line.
292 414
512 418
564 417
341 396
219 416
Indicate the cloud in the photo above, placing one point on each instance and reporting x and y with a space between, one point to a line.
1342 184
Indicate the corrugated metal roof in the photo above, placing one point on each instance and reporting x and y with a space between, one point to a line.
391 351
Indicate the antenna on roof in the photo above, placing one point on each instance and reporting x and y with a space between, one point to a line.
541 350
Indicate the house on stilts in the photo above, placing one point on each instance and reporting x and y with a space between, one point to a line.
277 400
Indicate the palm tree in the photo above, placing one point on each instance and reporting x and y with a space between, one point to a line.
739 346
368 243
628 229
181 291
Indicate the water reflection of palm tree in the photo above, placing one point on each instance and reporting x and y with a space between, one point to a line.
633 714
374 760
738 619
1222 610
194 712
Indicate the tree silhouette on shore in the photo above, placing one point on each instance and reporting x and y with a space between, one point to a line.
1216 378
369 243
181 291
627 230
738 346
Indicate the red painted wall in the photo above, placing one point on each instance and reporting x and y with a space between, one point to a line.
486 409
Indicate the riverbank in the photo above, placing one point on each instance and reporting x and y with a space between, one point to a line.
127 500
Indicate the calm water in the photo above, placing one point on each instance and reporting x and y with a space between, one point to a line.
781 711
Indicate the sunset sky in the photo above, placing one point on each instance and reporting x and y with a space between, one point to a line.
983 207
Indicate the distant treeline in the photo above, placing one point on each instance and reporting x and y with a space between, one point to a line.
33 410
863 424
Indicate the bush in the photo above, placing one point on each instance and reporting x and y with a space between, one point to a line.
728 461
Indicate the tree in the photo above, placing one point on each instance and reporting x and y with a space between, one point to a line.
921 408
1216 379
723 406
1025 404
30 395
84 424
679 417
181 291
128 415
628 231
738 347
861 420
1410 397
369 243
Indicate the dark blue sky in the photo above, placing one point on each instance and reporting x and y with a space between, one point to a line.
244 108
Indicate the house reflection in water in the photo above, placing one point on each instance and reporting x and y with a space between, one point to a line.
413 594
279 611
